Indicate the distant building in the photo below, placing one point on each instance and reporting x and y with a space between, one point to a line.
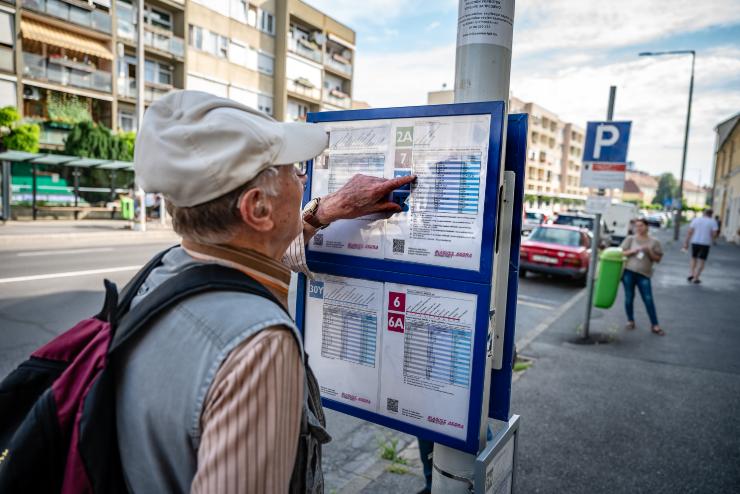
726 184
554 150
694 196
281 56
639 186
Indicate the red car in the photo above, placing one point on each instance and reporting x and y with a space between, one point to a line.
556 249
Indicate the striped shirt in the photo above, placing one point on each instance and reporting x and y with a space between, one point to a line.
251 417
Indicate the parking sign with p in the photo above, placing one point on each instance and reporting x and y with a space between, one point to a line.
605 154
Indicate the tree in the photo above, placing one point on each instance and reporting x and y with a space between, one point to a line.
91 140
667 188
15 136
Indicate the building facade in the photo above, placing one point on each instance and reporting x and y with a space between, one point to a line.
554 151
726 183
63 61
282 56
639 187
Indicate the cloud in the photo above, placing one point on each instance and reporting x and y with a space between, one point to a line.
432 26
577 24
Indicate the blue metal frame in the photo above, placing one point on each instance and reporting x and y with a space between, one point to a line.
423 275
516 160
490 204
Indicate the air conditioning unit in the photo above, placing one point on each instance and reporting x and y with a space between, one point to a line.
31 93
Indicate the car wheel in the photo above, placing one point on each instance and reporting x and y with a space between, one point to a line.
583 281
522 273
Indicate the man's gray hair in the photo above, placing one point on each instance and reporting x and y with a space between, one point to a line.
218 221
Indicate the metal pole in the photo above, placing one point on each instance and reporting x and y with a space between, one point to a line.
33 191
677 226
7 190
76 175
596 241
482 73
140 81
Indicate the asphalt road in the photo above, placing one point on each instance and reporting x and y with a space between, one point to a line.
47 290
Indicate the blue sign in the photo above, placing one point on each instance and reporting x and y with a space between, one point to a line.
361 306
606 142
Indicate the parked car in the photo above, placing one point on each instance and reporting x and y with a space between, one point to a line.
586 221
658 220
558 250
533 219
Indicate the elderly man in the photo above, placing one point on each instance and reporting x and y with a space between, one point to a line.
215 397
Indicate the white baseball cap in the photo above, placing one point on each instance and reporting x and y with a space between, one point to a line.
194 147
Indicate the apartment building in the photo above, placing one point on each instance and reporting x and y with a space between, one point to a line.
554 149
282 56
76 60
726 183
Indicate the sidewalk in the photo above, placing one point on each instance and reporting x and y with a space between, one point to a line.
642 413
19 235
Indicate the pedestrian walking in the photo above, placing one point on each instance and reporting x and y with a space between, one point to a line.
702 233
217 396
642 251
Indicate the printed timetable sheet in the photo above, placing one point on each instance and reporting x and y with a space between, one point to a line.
397 350
443 210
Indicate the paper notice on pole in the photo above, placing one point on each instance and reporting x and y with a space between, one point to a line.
397 350
603 175
489 22
342 330
443 211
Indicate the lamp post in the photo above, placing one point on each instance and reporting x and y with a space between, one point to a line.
677 225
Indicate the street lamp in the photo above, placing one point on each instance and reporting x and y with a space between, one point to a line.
677 225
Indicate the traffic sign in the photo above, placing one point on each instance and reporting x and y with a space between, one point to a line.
605 154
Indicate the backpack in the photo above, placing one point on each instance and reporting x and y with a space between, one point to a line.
57 409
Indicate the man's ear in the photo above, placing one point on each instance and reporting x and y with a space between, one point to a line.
255 209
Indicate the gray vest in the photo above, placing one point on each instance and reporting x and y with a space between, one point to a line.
164 375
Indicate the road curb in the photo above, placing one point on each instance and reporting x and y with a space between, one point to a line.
34 241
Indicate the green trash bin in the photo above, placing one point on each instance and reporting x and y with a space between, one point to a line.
611 262
127 208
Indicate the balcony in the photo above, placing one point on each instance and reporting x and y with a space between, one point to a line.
337 98
94 19
158 39
305 49
303 87
338 63
66 72
152 91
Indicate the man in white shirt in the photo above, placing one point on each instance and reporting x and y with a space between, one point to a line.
702 233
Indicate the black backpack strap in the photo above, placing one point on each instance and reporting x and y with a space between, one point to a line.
195 280
129 291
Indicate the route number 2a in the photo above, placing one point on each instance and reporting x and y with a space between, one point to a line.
404 136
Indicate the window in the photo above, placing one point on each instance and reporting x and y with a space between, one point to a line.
264 103
157 17
238 53
265 63
267 22
7 28
243 96
126 121
252 16
208 86
196 37
7 93
158 73
238 10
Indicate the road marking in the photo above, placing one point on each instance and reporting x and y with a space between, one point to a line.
535 305
523 342
540 300
69 274
63 252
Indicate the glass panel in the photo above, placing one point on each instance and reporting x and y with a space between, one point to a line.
7 61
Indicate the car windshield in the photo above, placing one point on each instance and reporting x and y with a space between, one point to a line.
559 236
533 216
578 221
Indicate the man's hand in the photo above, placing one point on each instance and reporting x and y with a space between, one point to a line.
361 196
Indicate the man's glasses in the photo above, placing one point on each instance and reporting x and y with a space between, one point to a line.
301 168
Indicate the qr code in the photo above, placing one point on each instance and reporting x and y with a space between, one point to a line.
392 405
318 239
399 246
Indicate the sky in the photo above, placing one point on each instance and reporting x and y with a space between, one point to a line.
565 55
